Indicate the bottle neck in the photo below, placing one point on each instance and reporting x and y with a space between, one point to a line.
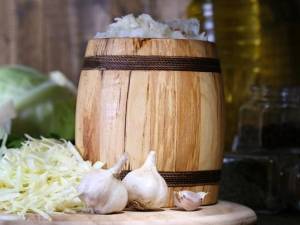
280 95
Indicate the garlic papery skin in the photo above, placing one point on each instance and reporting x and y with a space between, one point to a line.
102 192
188 200
146 188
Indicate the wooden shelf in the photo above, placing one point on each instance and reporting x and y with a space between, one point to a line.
223 213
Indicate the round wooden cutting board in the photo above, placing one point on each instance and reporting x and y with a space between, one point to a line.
223 213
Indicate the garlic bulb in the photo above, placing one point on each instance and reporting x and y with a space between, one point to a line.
102 192
188 200
146 187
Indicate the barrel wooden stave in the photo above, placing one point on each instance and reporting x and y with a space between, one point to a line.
178 114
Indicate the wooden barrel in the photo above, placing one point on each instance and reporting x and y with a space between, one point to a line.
137 95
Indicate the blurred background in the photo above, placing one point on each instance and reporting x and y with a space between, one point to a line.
258 44
52 34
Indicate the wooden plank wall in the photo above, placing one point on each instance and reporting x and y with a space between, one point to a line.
52 34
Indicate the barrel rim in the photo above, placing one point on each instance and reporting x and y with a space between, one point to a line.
155 39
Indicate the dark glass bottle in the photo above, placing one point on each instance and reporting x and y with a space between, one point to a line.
270 119
258 43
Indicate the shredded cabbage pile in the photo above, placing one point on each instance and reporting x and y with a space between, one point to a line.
41 177
144 26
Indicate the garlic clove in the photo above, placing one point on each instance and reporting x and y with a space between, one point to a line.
188 200
102 192
146 188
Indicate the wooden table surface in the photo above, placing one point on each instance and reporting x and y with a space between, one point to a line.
223 213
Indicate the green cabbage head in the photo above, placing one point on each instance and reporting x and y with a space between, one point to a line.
44 105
